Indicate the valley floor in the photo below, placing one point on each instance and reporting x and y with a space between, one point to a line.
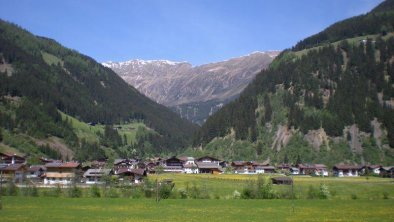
90 209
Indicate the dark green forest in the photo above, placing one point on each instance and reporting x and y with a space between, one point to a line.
49 77
319 85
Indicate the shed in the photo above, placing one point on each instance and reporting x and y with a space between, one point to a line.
282 180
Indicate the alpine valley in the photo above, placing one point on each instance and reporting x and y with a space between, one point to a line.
329 99
193 92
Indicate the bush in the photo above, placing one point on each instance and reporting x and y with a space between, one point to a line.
324 193
287 194
194 191
111 193
385 195
30 191
318 193
12 189
75 192
136 192
165 191
264 188
52 192
248 193
148 188
236 194
182 193
313 193
353 196
95 191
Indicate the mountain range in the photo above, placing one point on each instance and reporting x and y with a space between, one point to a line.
195 92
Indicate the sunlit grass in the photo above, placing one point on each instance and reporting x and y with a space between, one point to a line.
90 209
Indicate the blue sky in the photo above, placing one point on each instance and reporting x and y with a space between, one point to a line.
197 31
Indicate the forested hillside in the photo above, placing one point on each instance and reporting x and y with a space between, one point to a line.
39 77
329 99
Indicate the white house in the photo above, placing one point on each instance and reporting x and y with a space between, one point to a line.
95 176
190 166
341 170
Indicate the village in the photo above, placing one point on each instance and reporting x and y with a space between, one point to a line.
50 173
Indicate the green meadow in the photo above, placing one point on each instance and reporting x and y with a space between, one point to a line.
224 185
104 209
351 199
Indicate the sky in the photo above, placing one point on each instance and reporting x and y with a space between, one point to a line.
196 31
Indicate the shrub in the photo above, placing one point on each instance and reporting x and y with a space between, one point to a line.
75 192
29 191
353 196
12 189
194 191
182 193
111 192
385 195
165 191
95 191
324 193
57 192
287 194
248 193
264 188
148 188
313 193
236 194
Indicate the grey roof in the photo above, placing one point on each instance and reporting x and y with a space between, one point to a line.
96 172
205 165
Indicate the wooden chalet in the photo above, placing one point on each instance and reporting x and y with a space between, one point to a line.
251 167
208 167
36 171
343 170
9 158
208 159
95 176
131 175
387 171
313 169
13 172
173 165
61 173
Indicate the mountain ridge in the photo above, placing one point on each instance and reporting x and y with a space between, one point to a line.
195 90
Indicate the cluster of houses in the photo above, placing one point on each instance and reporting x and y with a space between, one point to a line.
50 172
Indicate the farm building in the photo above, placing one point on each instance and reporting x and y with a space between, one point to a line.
14 172
342 170
282 180
61 173
95 176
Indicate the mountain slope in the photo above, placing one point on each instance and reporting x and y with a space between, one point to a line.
327 103
193 92
44 72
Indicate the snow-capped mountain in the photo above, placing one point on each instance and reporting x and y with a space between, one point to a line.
193 92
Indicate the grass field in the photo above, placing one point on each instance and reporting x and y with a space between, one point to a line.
369 204
88 132
90 209
224 185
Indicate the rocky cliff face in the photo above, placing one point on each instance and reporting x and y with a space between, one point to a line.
193 92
